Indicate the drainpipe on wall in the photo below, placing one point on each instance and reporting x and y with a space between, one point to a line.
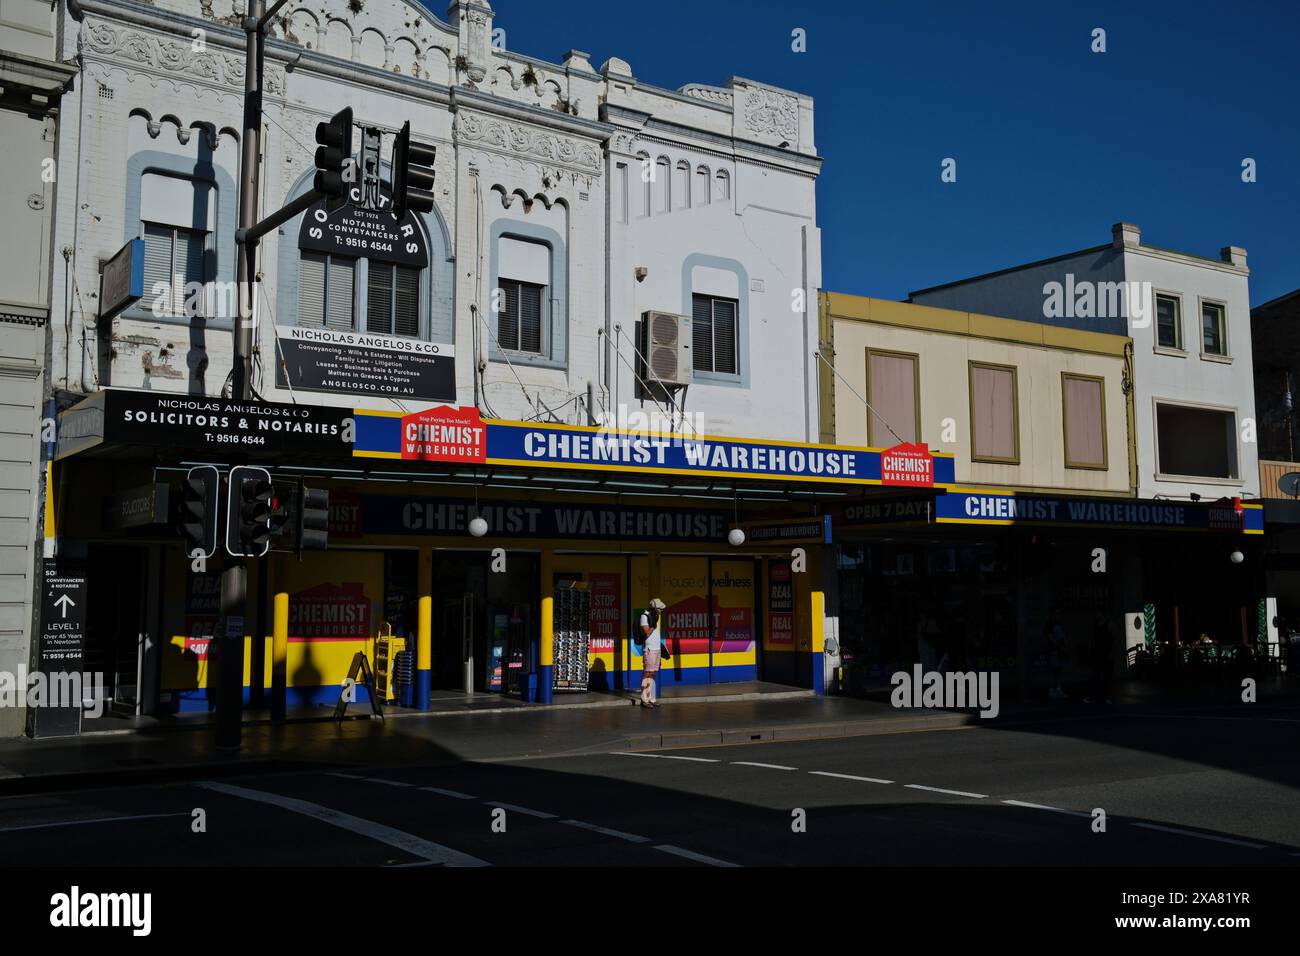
1130 417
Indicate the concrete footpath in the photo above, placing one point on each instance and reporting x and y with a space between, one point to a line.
166 754
487 730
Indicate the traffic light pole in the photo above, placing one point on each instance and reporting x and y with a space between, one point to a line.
234 580
230 689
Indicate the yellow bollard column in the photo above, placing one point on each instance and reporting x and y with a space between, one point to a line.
818 612
279 655
424 653
546 646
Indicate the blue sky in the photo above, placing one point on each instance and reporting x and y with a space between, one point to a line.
1053 142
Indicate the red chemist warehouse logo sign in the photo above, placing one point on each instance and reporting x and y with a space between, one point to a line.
444 434
330 612
909 464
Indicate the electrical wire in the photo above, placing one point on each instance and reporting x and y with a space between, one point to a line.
859 397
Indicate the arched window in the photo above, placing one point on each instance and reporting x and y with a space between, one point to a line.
663 184
645 172
722 186
701 194
682 185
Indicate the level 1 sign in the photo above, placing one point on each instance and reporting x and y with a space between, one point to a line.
59 653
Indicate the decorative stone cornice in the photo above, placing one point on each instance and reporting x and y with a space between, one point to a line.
170 57
515 139
710 94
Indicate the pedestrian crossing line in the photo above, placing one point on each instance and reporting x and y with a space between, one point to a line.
77 823
630 837
765 766
629 753
847 776
526 811
454 794
406 842
1043 806
692 855
951 793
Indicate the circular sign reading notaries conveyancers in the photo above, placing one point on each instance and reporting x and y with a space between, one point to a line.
354 230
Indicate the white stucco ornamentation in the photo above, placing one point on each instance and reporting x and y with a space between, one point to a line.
769 114
172 57
710 94
523 141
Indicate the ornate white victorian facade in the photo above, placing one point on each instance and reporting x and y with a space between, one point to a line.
570 201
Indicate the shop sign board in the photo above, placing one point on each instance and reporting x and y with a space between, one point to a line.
1008 508
428 515
593 448
61 647
343 361
444 434
909 464
154 419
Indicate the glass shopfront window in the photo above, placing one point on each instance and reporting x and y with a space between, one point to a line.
947 604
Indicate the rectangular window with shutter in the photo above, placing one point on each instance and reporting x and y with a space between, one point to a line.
995 415
393 300
715 334
893 391
1084 413
519 317
174 263
339 293
326 291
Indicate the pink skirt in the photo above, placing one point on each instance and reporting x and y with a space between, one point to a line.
651 660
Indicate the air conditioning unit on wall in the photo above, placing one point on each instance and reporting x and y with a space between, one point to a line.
666 348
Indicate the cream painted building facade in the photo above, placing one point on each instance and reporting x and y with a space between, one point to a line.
930 366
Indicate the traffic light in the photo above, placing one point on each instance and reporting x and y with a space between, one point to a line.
334 154
413 174
249 512
313 519
200 499
308 520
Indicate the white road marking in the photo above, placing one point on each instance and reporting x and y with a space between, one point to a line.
454 794
340 773
541 815
847 776
765 766
692 855
629 753
391 783
1202 836
630 837
1043 806
406 842
77 823
953 793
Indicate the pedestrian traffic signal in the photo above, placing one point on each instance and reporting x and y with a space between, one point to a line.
249 512
412 174
200 500
334 155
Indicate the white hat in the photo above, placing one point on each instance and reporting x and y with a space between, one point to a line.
657 604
